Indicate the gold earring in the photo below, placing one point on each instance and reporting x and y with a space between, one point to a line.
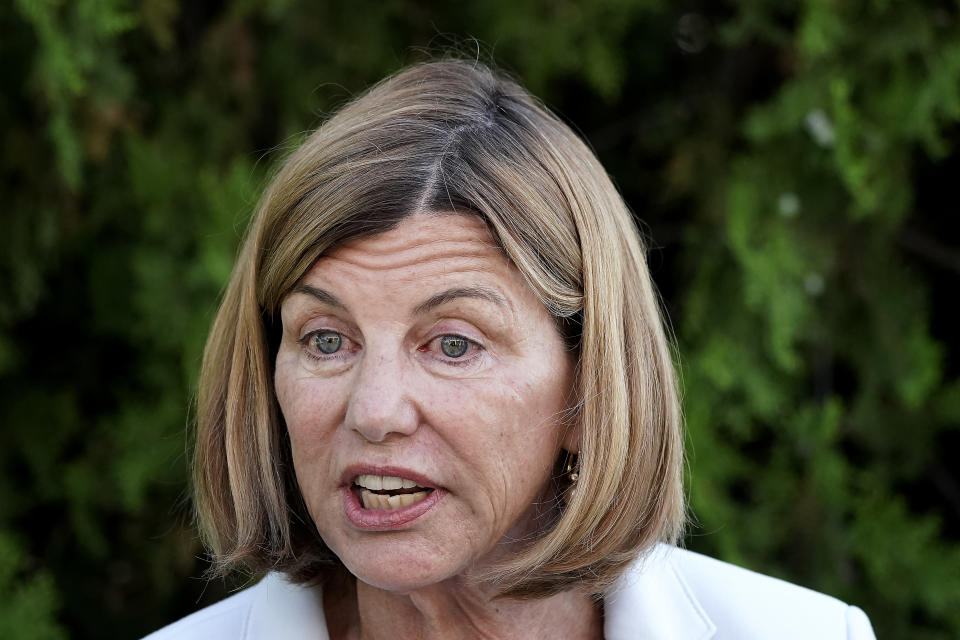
573 468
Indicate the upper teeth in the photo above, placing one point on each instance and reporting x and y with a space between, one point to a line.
383 483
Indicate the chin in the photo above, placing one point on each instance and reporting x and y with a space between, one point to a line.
397 576
397 565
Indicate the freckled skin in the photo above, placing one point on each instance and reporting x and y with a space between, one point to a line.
487 432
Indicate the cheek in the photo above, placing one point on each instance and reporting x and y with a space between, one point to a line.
310 417
538 404
508 433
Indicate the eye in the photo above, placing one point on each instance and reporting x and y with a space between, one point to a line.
326 341
454 346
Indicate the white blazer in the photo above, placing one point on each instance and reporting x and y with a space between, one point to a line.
672 595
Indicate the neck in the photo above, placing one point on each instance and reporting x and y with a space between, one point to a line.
456 610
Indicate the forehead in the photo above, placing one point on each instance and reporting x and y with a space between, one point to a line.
421 244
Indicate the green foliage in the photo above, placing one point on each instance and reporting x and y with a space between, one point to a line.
30 599
794 160
816 206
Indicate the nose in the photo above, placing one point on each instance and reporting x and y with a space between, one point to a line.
381 404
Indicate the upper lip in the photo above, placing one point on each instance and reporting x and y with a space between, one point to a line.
351 472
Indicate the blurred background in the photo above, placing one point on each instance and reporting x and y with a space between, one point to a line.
794 165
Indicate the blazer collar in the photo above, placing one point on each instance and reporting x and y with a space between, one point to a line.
284 610
651 600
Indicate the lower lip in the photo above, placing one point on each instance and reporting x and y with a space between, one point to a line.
386 519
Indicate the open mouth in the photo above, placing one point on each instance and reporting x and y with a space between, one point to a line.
388 493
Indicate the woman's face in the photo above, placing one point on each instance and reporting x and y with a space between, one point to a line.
424 388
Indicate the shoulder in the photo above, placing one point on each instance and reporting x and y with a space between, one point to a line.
225 619
705 598
730 593
255 613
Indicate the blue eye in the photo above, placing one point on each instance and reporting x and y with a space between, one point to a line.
327 342
453 346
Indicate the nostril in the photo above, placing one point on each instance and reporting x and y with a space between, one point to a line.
377 412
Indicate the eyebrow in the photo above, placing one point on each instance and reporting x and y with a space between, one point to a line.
323 296
453 293
477 292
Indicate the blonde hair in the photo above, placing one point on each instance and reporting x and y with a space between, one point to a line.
451 136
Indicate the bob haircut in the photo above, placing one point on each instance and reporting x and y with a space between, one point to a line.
441 137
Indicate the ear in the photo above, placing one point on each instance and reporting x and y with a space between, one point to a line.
572 425
572 432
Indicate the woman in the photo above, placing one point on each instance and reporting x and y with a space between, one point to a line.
438 402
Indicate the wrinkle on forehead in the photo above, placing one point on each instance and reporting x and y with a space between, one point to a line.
442 236
439 251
